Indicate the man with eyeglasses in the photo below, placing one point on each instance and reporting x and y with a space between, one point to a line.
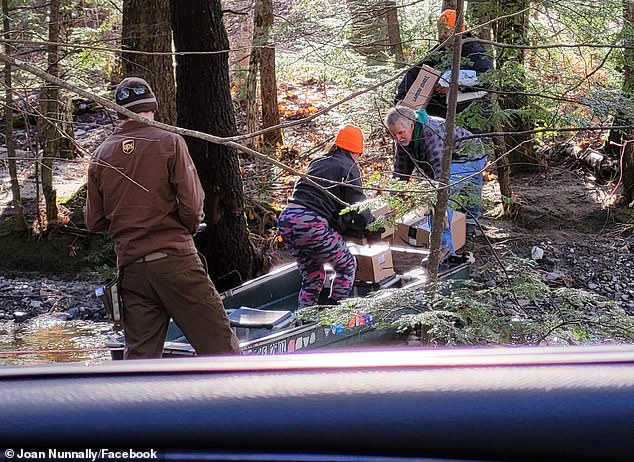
144 190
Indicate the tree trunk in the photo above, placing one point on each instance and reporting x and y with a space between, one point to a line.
479 13
252 108
146 27
621 142
50 104
368 29
268 83
204 104
238 21
510 208
628 169
394 31
512 25
66 148
20 221
440 210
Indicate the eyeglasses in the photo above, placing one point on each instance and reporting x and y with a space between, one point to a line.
124 92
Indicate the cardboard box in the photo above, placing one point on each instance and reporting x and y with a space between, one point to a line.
458 230
386 236
374 262
422 89
413 229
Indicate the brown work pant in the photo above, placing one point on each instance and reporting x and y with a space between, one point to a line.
174 287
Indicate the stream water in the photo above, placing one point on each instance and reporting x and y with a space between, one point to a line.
46 339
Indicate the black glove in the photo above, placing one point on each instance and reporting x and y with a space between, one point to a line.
374 236
353 224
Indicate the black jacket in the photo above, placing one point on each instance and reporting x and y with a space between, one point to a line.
339 167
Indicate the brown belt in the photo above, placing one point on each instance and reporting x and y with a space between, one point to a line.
151 257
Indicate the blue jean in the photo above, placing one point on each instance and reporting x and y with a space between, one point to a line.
467 180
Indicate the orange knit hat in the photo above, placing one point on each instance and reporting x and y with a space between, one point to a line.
350 138
448 19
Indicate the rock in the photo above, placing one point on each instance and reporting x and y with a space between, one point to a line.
553 276
72 313
593 286
20 316
537 253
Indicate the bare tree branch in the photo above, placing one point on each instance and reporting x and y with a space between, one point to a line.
181 131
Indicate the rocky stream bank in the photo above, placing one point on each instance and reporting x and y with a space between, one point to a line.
27 296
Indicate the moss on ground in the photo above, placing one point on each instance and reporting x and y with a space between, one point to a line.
58 251
62 249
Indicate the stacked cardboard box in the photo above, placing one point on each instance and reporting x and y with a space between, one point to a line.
414 229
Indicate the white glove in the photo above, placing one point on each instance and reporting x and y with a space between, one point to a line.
466 78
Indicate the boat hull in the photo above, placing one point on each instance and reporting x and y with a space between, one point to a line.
277 291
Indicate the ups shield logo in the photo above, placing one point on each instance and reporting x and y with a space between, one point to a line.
127 146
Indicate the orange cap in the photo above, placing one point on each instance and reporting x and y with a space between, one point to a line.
350 138
448 18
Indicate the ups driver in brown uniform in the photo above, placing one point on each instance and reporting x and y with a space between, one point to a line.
144 190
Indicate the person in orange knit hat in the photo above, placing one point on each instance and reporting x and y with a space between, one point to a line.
311 225
448 21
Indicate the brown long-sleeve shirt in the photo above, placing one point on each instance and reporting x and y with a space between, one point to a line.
144 190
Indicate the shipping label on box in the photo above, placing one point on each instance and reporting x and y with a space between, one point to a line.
374 262
422 89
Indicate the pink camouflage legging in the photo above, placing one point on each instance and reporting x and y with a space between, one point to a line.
313 243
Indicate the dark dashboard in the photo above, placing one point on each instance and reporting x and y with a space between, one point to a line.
572 403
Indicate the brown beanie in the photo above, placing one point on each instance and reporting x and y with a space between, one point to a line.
135 94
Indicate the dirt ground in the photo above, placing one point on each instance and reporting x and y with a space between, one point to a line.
586 238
